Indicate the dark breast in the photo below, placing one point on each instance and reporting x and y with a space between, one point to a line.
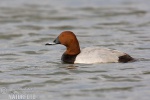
68 58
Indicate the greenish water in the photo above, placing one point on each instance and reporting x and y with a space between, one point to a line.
30 69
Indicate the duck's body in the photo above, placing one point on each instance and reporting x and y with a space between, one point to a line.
90 54
98 55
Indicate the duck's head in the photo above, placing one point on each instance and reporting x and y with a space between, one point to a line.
68 39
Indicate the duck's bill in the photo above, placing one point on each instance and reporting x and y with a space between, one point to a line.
50 44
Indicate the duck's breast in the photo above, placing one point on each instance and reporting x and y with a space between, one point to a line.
98 55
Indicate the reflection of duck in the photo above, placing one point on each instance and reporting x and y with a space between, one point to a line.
87 55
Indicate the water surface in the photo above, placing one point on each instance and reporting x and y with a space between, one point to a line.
28 67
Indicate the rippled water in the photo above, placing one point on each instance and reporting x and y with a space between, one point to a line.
28 67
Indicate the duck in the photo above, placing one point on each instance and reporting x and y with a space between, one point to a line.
88 55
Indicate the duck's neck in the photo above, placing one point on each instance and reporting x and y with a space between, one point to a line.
70 54
73 49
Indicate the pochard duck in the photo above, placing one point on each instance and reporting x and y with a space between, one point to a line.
88 55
